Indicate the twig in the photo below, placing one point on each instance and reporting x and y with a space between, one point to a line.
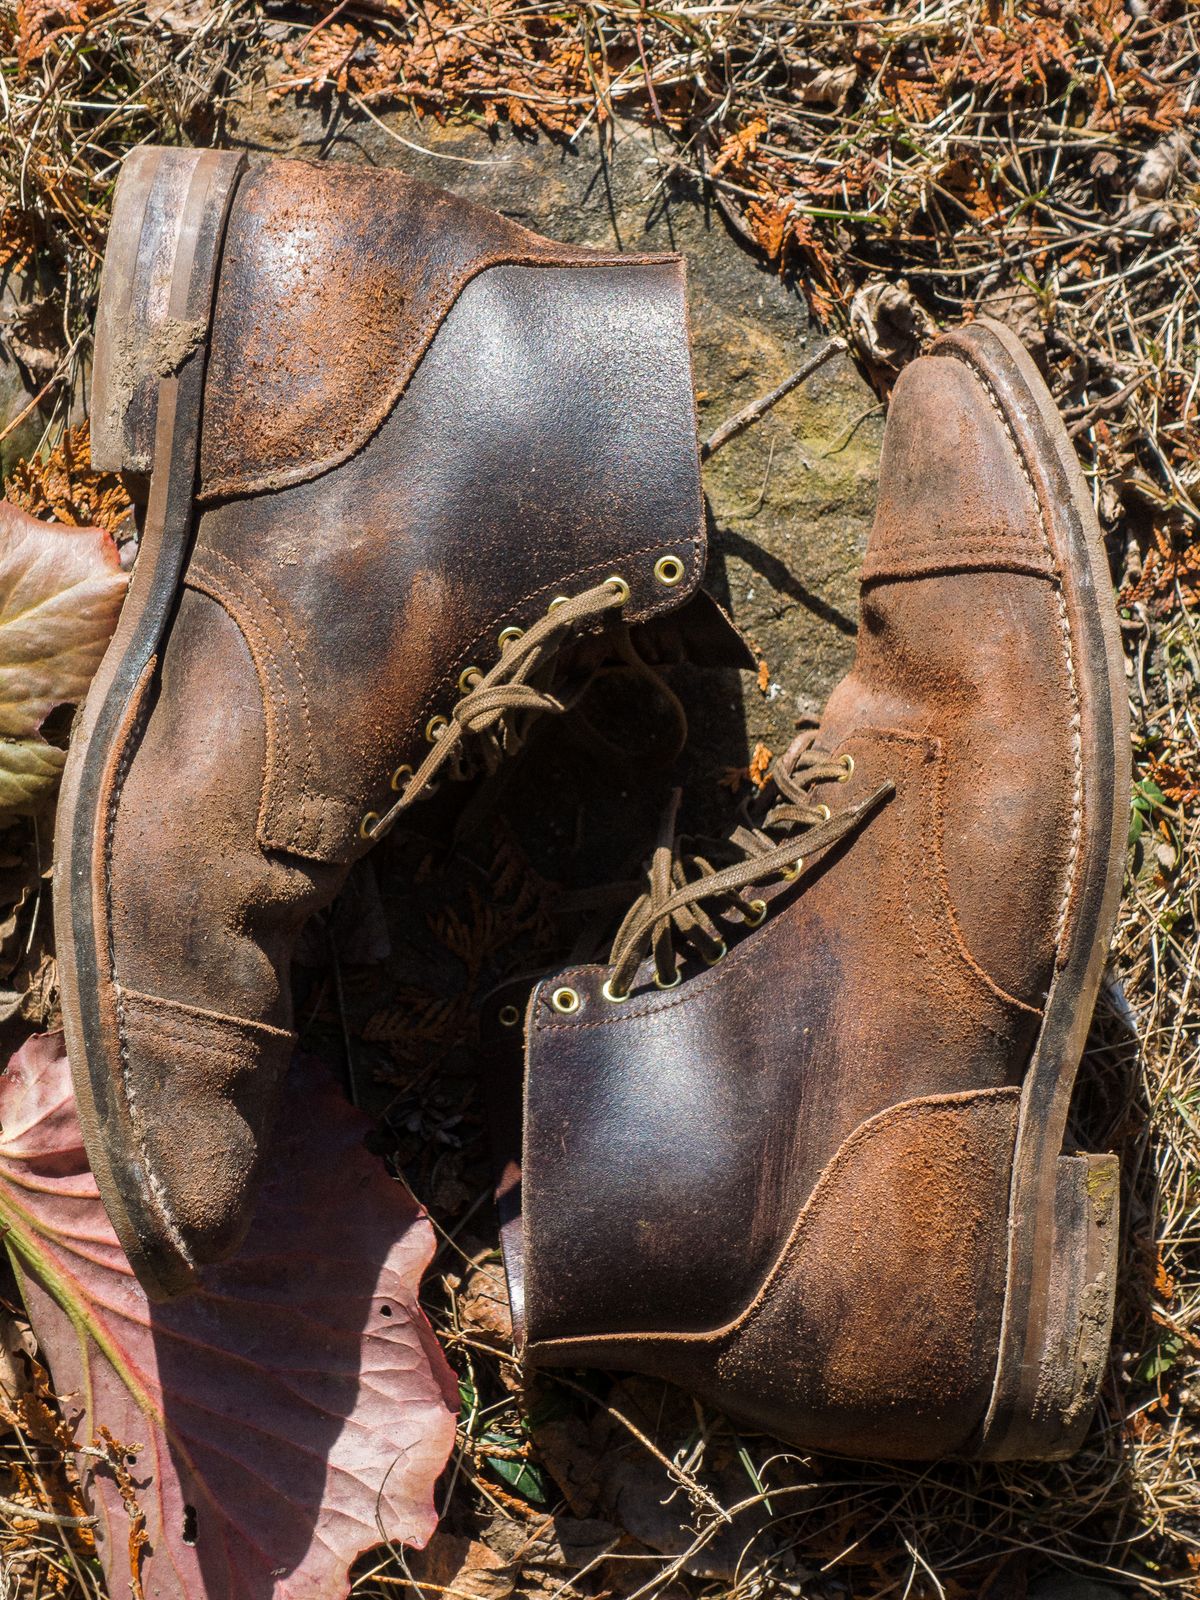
13 1508
1107 403
56 376
742 419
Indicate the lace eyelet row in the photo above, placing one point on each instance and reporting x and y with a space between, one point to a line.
668 570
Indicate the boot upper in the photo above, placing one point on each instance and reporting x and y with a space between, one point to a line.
681 1133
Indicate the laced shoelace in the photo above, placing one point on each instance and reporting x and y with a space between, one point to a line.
491 720
680 881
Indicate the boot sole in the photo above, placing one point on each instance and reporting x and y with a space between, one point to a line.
160 274
1062 1247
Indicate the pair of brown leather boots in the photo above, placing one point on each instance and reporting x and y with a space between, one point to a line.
799 1145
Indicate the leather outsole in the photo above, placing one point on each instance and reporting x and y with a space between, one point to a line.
169 219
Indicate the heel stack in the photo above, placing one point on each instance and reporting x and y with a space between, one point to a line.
156 291
1055 1392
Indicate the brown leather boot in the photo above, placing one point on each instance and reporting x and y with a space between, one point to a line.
800 1145
398 451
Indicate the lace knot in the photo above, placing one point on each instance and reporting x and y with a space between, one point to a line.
681 880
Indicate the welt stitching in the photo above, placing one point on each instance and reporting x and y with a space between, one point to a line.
160 1013
725 1333
304 706
961 550
267 601
934 946
153 1180
984 541
861 1135
1065 628
941 878
192 1041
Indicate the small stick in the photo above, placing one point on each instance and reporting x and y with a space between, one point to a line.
55 377
759 408
13 1508
1101 407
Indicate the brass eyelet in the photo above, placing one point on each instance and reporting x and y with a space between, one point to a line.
719 954
669 571
848 761
559 600
400 777
434 727
790 874
759 907
508 1016
611 995
508 636
674 983
566 1000
825 812
619 584
464 679
366 828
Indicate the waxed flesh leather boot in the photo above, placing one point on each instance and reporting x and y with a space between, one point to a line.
799 1145
397 452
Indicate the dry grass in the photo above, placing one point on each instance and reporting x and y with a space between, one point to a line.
909 163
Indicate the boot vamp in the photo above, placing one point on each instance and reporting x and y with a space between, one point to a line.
202 925
964 637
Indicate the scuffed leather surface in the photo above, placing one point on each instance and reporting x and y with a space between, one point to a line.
201 925
876 1330
690 1125
672 1141
546 441
335 279
203 1088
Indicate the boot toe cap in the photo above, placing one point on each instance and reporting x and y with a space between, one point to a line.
202 1090
957 486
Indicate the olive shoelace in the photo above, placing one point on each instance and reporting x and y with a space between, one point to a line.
491 720
681 883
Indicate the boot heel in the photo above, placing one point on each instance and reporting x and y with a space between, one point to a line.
1054 1394
156 291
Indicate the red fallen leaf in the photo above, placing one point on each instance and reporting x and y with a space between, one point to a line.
270 1426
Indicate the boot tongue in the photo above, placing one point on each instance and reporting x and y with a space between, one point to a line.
701 633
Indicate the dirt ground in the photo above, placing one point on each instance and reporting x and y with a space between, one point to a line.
866 171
